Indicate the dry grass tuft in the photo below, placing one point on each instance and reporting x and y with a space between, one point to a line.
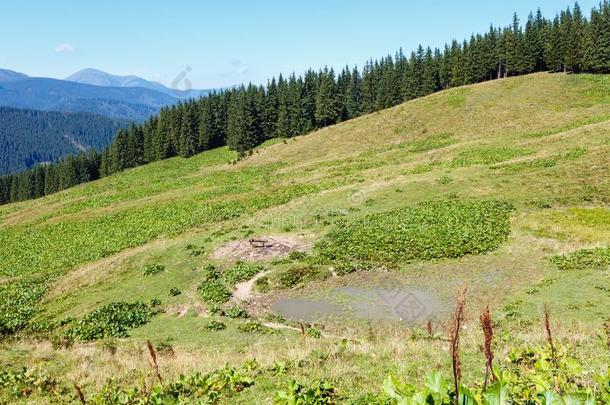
153 361
489 355
80 394
454 338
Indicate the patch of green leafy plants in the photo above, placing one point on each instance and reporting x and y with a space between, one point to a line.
173 292
296 275
235 312
434 230
488 155
529 375
432 142
313 333
152 269
216 286
527 165
320 392
574 125
574 153
255 327
444 180
195 388
23 383
544 283
18 303
214 325
213 292
241 272
194 250
421 169
542 163
584 259
112 320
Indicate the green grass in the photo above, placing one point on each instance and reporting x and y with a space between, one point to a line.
488 156
432 170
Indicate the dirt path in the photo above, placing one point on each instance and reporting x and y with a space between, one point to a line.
243 291
278 326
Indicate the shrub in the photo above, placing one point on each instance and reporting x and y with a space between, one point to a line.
236 312
214 292
174 292
152 269
112 320
215 326
155 302
241 272
438 230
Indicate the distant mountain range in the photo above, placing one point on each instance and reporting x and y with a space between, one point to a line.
91 91
98 78
42 119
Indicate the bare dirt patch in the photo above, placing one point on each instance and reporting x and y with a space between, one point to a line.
261 248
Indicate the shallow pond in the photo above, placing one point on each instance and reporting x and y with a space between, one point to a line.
407 304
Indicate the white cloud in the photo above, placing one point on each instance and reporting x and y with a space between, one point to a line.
64 48
239 67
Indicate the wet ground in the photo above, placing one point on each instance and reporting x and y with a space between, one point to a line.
408 304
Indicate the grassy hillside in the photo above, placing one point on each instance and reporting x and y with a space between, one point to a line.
488 186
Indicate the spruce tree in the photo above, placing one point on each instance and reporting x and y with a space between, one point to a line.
575 42
326 104
189 132
353 95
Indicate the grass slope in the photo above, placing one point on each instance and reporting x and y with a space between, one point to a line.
540 143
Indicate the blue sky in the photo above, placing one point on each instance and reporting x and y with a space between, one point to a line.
230 42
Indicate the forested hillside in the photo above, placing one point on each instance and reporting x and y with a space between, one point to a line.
30 137
244 117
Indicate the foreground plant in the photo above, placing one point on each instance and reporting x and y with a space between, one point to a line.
454 336
530 375
489 356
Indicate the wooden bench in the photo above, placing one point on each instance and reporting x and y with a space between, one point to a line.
260 243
